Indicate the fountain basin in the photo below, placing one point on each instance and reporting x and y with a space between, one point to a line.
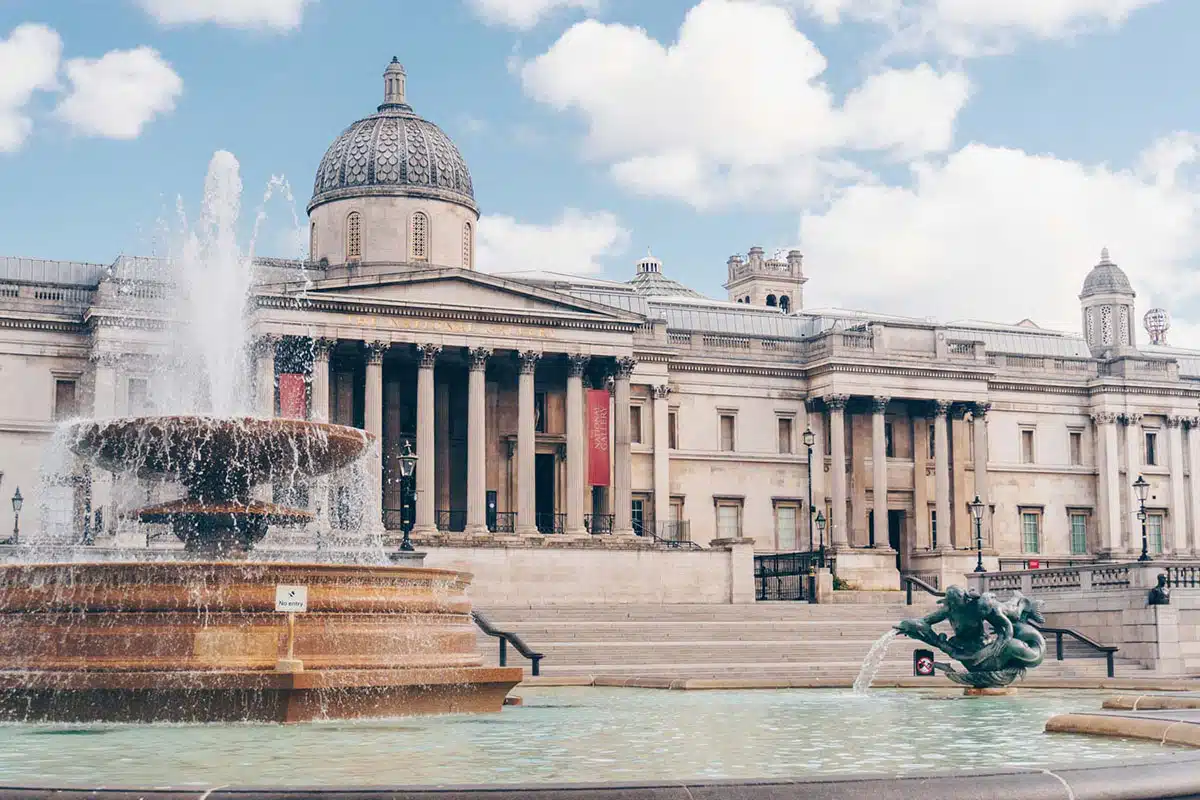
198 641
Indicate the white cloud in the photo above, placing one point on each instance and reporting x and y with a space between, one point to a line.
283 15
116 95
699 121
28 63
976 27
525 14
1000 234
574 244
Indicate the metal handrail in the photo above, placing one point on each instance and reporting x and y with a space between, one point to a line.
1059 633
505 638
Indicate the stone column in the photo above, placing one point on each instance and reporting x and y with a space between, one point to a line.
264 373
1108 503
477 442
526 446
104 393
623 455
662 458
373 424
979 426
1193 437
1133 526
838 534
1179 514
425 521
941 466
322 348
815 423
879 481
576 444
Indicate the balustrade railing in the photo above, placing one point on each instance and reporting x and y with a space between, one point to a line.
503 522
1088 577
1184 577
452 520
550 523
598 523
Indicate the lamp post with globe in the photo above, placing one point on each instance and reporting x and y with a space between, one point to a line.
809 440
408 465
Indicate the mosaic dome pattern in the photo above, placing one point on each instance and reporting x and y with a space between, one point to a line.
393 153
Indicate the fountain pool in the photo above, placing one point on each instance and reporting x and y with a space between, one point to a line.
582 734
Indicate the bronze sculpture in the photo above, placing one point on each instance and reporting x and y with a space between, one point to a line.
996 641
1160 595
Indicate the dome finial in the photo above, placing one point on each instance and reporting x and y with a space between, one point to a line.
394 79
1104 256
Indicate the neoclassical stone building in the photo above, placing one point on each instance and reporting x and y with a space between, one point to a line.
391 328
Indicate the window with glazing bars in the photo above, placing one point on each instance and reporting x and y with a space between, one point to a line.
1031 531
1154 532
1079 534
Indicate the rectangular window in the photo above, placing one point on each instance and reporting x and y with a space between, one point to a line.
676 509
786 515
65 403
1027 446
635 424
1079 534
1151 449
1076 447
727 430
1154 533
932 443
785 435
889 443
1031 531
139 400
729 519
933 528
673 430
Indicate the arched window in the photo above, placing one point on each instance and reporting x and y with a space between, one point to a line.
771 300
785 303
747 300
354 236
420 236
468 247
312 241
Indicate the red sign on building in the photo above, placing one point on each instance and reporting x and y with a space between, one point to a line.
293 402
597 435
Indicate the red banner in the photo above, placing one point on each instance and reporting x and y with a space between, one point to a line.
597 434
292 401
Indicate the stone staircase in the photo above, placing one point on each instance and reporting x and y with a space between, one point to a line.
764 641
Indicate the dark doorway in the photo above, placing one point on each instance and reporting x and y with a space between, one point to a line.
544 488
895 525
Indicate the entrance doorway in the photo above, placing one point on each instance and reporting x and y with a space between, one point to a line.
544 468
895 528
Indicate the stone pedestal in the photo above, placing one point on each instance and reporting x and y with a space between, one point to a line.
868 569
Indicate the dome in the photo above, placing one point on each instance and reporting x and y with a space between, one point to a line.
393 153
1105 278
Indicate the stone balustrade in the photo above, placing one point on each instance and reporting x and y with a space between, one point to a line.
1096 577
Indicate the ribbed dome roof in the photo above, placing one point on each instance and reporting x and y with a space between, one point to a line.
393 153
1106 278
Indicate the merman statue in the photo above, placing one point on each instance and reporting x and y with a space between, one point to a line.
994 640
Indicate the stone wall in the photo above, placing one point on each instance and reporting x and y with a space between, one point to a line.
508 576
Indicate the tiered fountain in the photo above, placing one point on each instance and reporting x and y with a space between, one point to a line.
199 637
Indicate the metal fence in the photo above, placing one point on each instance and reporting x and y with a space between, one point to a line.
598 523
784 576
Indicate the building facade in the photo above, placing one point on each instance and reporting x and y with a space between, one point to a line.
486 375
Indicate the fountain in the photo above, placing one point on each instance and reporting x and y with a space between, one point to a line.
201 637
992 660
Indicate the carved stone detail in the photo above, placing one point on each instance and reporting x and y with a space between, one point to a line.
958 411
322 348
375 351
662 392
265 344
1132 418
879 404
479 358
624 367
428 354
836 402
105 359
1104 418
577 364
1175 421
529 360
941 407
980 410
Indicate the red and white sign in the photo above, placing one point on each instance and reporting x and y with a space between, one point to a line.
1035 564
293 404
924 665
597 435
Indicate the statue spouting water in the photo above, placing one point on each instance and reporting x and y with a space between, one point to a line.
995 640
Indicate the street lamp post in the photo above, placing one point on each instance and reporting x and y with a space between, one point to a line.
408 466
17 502
821 532
809 441
977 513
1141 487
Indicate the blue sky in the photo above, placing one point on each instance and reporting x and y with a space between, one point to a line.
930 157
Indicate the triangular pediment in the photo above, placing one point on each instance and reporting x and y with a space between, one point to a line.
461 289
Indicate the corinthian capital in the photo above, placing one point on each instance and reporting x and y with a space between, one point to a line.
879 403
624 367
479 358
980 410
322 347
662 391
529 360
1104 418
428 354
836 402
1132 418
941 407
577 364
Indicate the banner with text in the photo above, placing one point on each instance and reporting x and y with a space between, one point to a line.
292 401
597 434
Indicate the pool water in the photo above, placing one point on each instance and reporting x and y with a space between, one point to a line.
581 735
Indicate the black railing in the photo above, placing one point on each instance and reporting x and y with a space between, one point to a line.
643 526
505 522
598 523
505 637
1107 651
784 576
451 519
1183 577
548 522
677 529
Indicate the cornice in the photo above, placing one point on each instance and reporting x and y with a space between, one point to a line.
897 371
736 368
52 326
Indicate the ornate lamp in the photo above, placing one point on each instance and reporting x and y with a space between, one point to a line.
977 508
1141 487
809 440
17 502
821 531
408 466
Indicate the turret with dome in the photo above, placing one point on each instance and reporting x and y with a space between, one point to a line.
1107 305
388 168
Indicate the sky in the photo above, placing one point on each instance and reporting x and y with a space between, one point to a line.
953 159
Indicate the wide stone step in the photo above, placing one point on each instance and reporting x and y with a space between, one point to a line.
681 613
710 631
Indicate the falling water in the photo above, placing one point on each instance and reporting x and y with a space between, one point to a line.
873 661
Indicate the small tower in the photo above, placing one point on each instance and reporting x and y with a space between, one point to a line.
394 79
649 264
772 282
1107 305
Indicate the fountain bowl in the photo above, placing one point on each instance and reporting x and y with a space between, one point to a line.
201 641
